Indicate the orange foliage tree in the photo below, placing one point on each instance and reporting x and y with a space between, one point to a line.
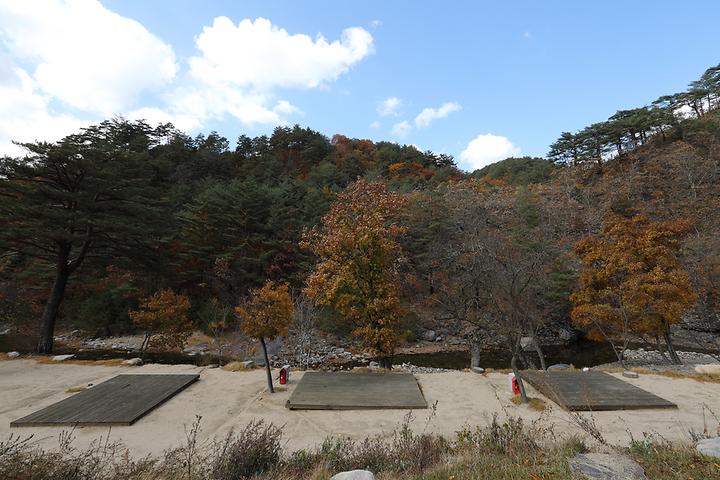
632 281
358 258
164 319
267 314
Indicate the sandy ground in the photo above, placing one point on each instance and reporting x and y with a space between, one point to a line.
232 399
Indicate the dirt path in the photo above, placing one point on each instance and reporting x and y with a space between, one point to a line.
228 400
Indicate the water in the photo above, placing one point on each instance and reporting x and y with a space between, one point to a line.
583 353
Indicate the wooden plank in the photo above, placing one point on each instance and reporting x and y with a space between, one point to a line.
122 400
592 391
356 391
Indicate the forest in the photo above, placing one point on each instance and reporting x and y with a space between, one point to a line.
125 227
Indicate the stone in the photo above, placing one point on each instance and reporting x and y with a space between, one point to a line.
712 369
565 335
527 343
133 362
429 335
606 466
62 358
559 366
248 364
374 365
709 447
630 374
213 365
438 338
477 369
354 475
13 354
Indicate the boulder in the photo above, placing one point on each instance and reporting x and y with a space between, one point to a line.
527 343
354 475
133 362
709 447
713 369
477 369
429 335
62 358
606 466
247 364
565 335
13 354
630 374
374 365
559 366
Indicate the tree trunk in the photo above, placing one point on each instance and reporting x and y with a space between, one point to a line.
267 366
385 362
513 365
52 306
671 348
539 351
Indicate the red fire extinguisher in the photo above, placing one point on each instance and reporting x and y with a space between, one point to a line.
284 374
514 387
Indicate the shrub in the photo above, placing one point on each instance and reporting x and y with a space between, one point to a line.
251 451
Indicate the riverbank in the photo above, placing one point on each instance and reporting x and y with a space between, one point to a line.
230 400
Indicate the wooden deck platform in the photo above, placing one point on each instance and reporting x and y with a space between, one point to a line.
356 391
122 400
592 391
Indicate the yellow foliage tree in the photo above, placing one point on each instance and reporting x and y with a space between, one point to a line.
358 259
267 314
163 317
632 281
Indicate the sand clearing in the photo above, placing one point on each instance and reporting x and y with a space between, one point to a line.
231 399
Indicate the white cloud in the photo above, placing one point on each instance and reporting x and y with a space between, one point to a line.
401 129
25 114
260 55
375 124
389 106
78 54
84 54
427 116
486 149
239 67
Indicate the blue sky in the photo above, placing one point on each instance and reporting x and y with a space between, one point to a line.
493 79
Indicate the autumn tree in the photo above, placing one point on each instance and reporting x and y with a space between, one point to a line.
267 314
632 281
357 272
163 317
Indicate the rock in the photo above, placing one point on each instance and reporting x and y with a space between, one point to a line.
354 475
527 343
62 358
429 335
713 369
477 369
374 365
559 366
606 466
248 364
438 338
630 374
13 354
133 362
709 447
213 365
565 335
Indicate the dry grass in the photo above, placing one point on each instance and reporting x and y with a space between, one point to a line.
698 377
534 403
47 360
75 389
236 367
